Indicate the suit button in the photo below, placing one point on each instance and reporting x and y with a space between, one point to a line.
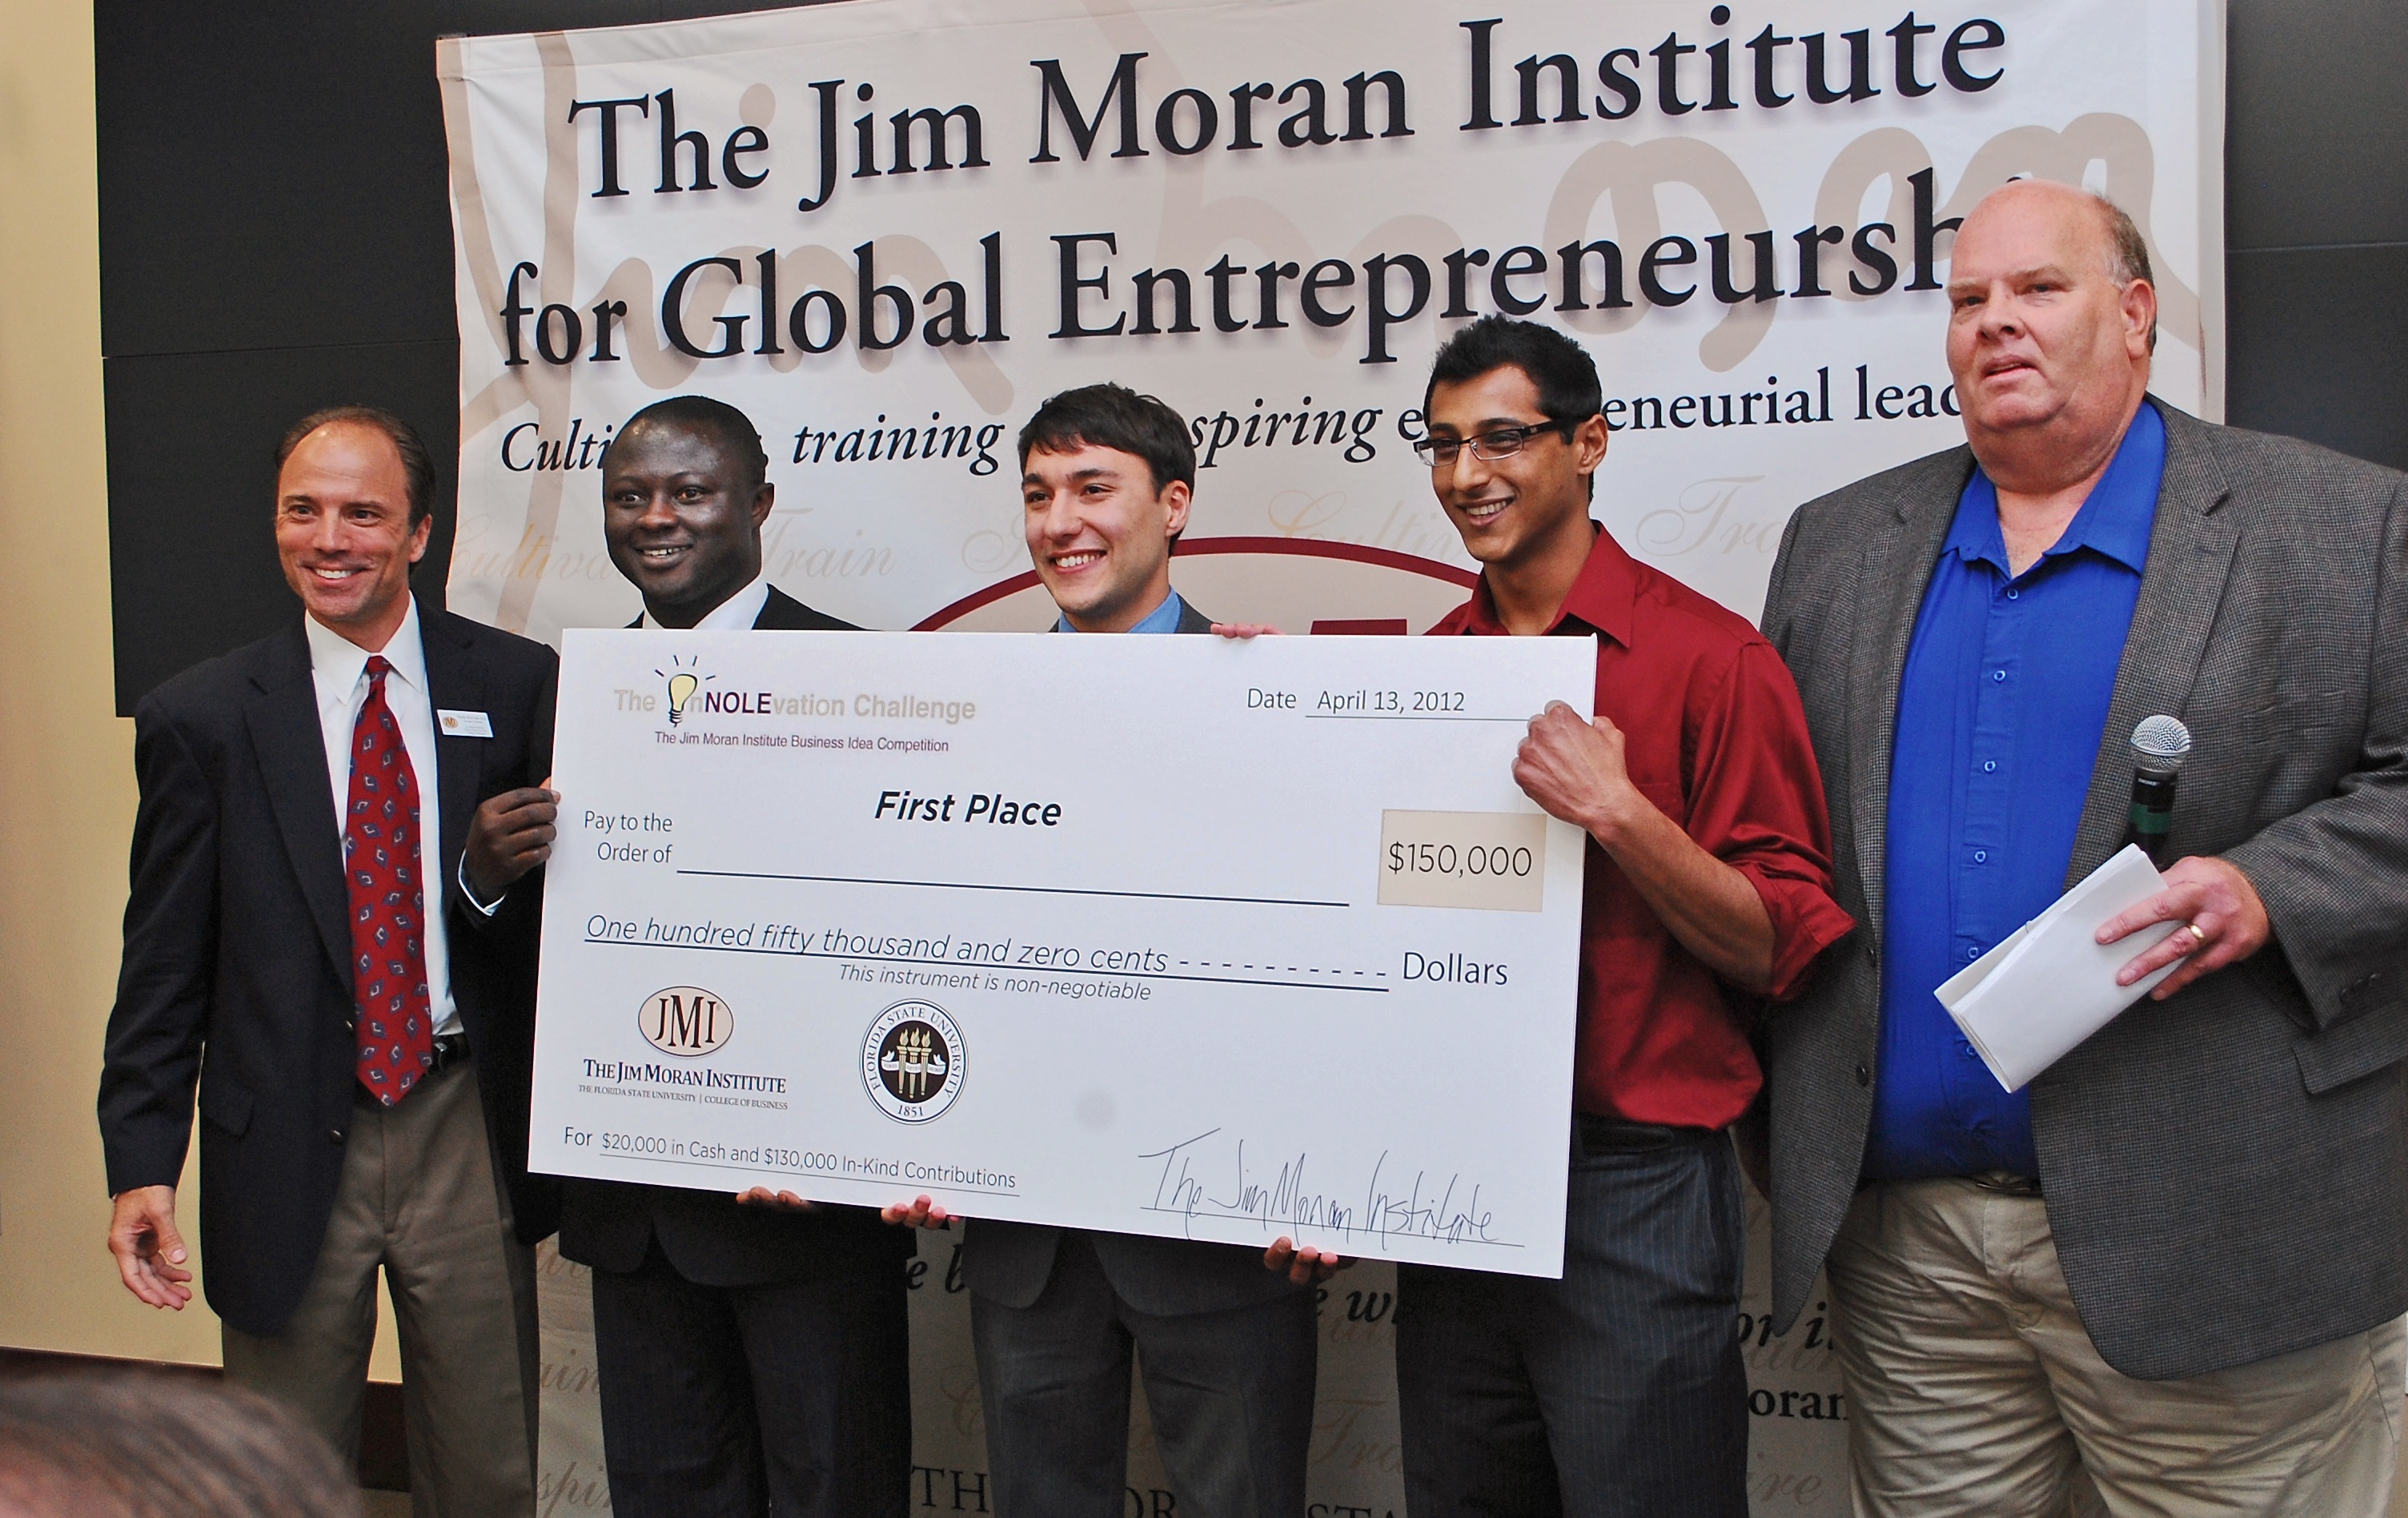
1864 1078
334 1136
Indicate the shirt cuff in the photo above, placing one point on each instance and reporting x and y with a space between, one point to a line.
1805 921
469 894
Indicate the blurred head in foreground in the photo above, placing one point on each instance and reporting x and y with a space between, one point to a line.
142 1444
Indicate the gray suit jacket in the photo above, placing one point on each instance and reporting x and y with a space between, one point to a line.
2227 1171
1011 1262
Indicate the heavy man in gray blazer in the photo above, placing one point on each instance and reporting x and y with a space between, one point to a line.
2172 1266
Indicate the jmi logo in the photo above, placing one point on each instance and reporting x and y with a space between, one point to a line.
912 1061
685 1021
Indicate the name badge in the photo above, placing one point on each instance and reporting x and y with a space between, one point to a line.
464 723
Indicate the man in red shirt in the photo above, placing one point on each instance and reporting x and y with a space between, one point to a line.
1618 1389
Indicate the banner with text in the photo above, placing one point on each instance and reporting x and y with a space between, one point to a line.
888 229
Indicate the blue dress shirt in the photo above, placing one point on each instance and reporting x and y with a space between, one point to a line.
1162 619
1999 718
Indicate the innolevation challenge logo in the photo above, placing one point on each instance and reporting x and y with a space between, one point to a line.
912 1061
683 683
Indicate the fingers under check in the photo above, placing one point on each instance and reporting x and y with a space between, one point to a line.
920 1213
782 1200
1303 1266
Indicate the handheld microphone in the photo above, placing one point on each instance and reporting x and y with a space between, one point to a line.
2160 746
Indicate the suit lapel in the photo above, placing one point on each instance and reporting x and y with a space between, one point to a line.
290 744
1893 573
778 613
2190 556
455 682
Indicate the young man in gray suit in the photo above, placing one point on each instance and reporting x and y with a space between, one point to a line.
2175 1263
1228 1345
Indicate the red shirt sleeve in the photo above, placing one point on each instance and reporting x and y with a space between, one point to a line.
1757 805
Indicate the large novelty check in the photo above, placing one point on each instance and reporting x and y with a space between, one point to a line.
1173 936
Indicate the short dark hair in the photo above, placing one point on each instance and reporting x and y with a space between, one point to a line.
141 1444
1558 366
417 464
1114 416
703 413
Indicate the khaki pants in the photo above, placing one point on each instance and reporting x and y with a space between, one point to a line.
1972 1387
420 1199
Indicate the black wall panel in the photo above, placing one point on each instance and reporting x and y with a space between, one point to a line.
2316 223
192 480
276 235
2317 148
2317 334
272 173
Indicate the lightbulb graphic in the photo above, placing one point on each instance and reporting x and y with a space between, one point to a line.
682 687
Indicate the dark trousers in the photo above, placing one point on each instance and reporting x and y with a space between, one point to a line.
1616 1392
794 1397
1231 1395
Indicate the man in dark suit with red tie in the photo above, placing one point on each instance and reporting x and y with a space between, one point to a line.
302 946
754 1358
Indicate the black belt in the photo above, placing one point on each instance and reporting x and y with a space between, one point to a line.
1613 1136
450 1048
2006 1182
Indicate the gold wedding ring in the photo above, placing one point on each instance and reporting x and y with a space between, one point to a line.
2197 933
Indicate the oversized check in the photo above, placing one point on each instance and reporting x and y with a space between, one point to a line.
1175 936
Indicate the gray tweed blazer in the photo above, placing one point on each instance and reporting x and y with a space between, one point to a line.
2227 1171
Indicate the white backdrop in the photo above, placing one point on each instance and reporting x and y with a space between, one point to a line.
1334 157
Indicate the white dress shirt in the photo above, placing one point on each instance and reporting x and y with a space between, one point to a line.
339 669
737 614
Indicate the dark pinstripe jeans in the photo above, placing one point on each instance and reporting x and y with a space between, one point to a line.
1618 1392
793 1397
1230 1392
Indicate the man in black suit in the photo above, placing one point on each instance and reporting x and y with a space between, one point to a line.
753 1354
1059 1314
300 945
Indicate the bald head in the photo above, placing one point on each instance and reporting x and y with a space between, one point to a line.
2118 241
2052 317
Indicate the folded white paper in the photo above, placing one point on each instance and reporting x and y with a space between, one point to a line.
2028 1002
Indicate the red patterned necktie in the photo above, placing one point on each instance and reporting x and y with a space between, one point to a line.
388 902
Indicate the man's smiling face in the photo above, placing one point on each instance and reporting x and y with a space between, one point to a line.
681 511
1510 509
1099 533
343 532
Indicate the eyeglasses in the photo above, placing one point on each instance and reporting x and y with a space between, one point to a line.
1438 452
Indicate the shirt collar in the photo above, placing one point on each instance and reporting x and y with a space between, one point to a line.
737 614
1162 619
337 661
2115 521
1601 596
